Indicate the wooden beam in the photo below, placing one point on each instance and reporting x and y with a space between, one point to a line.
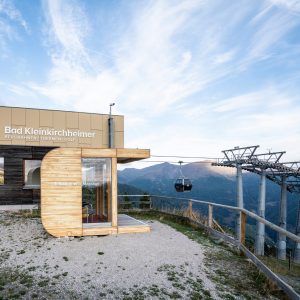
99 231
94 153
134 229
129 155
114 192
218 226
210 216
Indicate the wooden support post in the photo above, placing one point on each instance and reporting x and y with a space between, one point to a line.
190 209
243 217
210 215
114 193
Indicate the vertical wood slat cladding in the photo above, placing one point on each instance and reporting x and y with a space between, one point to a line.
12 191
61 192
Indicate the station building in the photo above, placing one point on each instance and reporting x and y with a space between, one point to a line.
66 162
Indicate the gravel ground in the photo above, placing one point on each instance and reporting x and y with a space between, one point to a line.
162 264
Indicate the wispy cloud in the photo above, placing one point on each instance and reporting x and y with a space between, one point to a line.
148 62
7 8
10 20
292 5
269 32
67 27
175 65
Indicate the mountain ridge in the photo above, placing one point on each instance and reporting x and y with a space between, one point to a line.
210 183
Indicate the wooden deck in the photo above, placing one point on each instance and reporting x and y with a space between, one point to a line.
125 220
126 224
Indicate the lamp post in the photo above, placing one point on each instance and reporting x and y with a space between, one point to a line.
110 128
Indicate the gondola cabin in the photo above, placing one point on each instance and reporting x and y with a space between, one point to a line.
183 185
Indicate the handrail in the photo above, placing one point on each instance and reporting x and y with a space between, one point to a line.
289 234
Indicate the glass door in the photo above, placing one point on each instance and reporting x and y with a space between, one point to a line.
96 190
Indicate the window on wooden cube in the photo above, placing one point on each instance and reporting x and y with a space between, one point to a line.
96 190
1 170
32 174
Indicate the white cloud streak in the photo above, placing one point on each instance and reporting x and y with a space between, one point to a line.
291 5
10 20
7 8
163 60
68 27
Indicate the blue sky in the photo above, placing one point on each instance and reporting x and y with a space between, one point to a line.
191 77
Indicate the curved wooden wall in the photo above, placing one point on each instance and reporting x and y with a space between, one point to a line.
61 192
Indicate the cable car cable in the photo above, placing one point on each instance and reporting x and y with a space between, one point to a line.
172 162
178 156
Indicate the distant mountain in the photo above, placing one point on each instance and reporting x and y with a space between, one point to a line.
215 184
169 171
130 190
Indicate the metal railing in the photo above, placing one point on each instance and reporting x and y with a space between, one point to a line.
243 212
237 241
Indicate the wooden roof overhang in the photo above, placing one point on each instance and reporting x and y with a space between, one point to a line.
123 155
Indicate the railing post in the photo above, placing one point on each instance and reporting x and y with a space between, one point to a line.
281 244
150 200
190 209
260 227
243 218
210 215
239 200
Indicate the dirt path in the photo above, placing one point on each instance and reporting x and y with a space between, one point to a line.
171 262
159 265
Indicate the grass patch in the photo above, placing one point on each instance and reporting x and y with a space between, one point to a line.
14 283
28 213
20 284
232 273
177 222
281 266
43 283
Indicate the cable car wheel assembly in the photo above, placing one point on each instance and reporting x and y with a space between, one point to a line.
182 184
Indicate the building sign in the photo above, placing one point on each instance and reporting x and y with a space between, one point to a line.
57 128
46 134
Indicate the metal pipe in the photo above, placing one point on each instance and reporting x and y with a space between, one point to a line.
239 199
111 128
110 133
281 243
260 227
